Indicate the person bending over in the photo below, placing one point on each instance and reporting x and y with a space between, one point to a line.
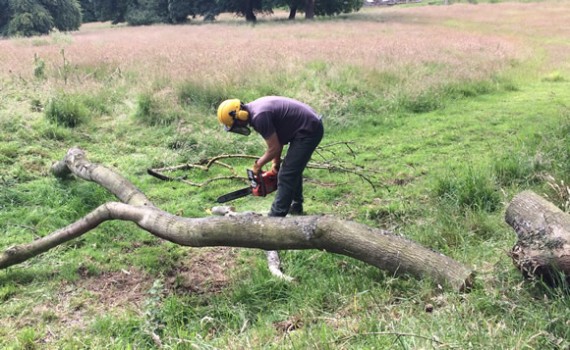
280 121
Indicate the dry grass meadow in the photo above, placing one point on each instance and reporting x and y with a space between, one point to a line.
470 44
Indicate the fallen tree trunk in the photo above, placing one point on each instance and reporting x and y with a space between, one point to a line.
387 251
543 230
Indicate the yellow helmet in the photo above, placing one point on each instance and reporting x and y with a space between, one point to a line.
231 110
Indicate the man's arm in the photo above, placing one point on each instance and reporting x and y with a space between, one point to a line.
273 152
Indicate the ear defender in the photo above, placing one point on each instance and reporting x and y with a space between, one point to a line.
242 115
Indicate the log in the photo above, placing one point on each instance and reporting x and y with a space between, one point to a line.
392 253
543 231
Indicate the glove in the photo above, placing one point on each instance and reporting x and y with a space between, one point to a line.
256 168
276 165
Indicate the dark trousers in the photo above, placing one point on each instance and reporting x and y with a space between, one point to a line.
290 178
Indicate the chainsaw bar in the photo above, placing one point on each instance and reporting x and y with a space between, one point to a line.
234 195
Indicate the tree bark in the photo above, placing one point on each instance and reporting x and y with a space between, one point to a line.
543 230
387 251
292 12
249 14
310 9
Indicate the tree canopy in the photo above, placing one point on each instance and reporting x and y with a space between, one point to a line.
36 17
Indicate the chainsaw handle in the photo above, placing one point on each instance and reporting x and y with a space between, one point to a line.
276 165
262 183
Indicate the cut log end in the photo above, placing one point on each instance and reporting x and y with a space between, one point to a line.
542 250
468 284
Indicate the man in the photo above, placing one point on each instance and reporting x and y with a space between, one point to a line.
280 121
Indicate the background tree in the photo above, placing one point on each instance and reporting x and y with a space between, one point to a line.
246 8
88 13
144 12
179 10
66 14
140 12
306 6
37 17
4 15
335 7
105 10
207 8
27 18
310 9
319 7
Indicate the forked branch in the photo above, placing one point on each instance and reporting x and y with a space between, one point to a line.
393 253
206 165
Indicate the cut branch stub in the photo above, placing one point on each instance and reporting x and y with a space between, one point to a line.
543 231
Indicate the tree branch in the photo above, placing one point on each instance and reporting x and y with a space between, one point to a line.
206 164
387 251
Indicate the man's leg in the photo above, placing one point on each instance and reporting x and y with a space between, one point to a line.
291 173
288 179
296 207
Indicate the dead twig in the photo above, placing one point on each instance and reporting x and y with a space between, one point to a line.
163 177
398 335
327 146
228 156
336 168
207 163
204 165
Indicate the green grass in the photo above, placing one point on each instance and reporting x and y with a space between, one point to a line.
66 110
445 163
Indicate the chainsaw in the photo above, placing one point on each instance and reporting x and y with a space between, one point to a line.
261 184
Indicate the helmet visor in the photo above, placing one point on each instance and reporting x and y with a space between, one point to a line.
242 130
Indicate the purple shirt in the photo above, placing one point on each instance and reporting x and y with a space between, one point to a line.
287 117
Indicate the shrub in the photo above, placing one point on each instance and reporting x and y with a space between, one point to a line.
425 102
53 132
554 77
153 111
102 102
39 67
469 190
513 169
66 110
200 95
469 89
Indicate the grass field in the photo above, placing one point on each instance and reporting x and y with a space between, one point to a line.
449 110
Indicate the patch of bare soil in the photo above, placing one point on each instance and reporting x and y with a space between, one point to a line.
108 293
205 270
119 289
76 303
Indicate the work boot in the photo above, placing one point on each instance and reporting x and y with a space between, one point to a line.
296 208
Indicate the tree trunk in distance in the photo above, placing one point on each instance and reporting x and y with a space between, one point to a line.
543 231
310 9
249 15
395 254
292 12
